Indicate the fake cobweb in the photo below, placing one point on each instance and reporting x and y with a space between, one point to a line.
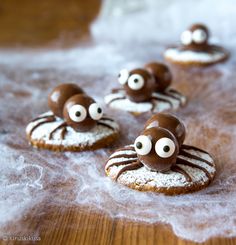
30 176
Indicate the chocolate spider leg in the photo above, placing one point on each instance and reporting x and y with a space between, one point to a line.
105 125
190 164
54 130
134 155
178 169
132 166
126 148
187 154
189 147
115 99
43 117
167 93
63 133
120 163
153 103
114 90
107 119
163 100
49 119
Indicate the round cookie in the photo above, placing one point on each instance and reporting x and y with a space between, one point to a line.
145 90
160 162
195 48
170 182
75 122
67 139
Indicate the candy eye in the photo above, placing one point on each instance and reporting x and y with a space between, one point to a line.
165 147
199 36
95 111
186 37
143 145
77 113
123 76
136 82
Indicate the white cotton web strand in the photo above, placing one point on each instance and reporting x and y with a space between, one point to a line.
30 176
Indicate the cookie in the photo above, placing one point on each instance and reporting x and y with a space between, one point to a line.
74 123
195 49
145 90
158 160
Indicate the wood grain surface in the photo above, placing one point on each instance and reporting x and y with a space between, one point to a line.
72 225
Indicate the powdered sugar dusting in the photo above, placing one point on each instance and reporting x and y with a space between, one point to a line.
72 137
130 106
143 176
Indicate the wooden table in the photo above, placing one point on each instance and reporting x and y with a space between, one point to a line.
73 225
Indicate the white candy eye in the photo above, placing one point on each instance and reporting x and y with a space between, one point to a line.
186 37
95 111
199 36
143 145
77 113
123 76
136 82
165 147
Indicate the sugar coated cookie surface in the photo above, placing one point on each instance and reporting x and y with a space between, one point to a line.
41 134
163 101
200 173
187 57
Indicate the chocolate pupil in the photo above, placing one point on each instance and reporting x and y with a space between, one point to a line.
99 110
78 113
139 145
136 80
119 75
166 148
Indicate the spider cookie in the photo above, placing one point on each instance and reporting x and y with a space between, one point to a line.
145 90
195 48
159 161
75 122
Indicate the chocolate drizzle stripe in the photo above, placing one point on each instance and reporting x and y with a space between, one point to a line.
190 164
173 91
116 99
42 117
54 130
49 119
63 133
124 156
163 100
189 147
119 163
115 90
187 154
126 148
132 166
107 119
173 96
105 125
180 170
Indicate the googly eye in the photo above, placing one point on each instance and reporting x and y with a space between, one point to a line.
143 145
123 76
77 113
199 36
186 37
135 82
95 111
165 147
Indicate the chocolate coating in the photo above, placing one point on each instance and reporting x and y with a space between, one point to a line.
169 122
199 46
161 74
84 100
60 94
152 160
144 93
